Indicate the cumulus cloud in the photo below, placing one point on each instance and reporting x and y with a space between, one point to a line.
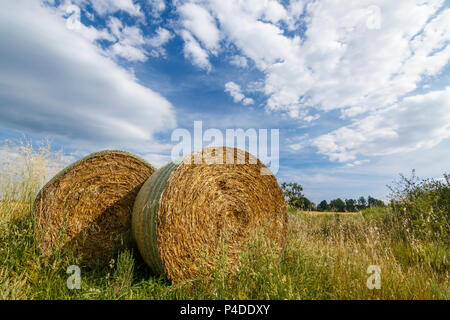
199 22
234 90
130 41
123 40
310 118
157 7
194 52
247 101
72 13
159 40
418 122
239 61
236 93
296 146
357 163
352 56
340 63
359 57
63 85
132 45
103 7
200 34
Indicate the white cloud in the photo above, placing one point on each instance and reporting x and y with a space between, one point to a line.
128 52
344 65
130 41
310 118
297 143
63 85
418 122
353 56
103 7
201 24
127 42
235 92
247 101
357 163
123 40
200 34
194 52
159 40
157 7
274 11
296 146
157 160
359 57
239 61
255 86
73 15
240 23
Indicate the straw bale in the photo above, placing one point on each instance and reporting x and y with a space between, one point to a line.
87 206
187 209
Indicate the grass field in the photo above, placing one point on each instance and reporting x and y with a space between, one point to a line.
330 213
326 257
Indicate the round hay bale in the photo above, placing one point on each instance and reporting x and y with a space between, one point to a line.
87 206
189 208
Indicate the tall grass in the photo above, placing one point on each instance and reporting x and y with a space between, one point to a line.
424 204
326 257
24 168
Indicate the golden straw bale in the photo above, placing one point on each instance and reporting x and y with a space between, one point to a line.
87 206
215 196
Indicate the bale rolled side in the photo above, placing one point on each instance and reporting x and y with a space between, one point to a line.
87 206
187 209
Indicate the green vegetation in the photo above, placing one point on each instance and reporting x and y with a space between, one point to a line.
326 257
296 199
292 192
425 203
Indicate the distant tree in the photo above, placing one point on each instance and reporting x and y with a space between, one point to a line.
337 205
323 206
350 205
372 202
362 203
293 194
308 205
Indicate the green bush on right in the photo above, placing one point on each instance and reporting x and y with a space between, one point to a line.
424 204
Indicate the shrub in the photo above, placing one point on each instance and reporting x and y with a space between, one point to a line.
293 195
425 204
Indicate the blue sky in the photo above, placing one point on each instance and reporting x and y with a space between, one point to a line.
360 91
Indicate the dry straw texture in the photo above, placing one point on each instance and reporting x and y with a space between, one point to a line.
87 206
186 210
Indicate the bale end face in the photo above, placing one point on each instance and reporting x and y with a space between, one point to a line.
87 207
189 209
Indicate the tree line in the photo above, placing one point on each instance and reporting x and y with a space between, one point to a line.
295 198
